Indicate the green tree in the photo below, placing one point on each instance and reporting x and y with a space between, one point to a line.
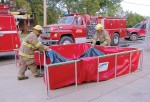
68 5
35 8
56 8
2 2
31 7
133 18
88 6
109 7
53 12
120 13
105 7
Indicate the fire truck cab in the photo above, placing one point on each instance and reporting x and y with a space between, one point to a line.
9 37
137 31
79 28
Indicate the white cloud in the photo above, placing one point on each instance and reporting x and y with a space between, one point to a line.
141 7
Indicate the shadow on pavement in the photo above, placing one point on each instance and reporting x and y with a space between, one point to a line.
7 57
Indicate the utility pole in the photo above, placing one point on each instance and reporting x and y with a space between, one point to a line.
45 15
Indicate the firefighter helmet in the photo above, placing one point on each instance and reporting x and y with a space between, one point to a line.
99 27
38 27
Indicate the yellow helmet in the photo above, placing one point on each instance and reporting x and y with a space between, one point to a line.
38 27
99 27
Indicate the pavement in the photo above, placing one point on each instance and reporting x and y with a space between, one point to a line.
134 87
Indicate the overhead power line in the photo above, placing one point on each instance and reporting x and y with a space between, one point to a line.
135 3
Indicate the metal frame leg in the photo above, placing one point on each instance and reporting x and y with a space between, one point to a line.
130 66
76 75
141 60
98 70
48 83
116 65
15 51
46 77
40 62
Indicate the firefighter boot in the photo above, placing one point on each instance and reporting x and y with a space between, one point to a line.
39 75
22 77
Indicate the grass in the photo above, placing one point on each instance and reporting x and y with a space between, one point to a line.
23 35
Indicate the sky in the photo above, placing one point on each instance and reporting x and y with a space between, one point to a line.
141 7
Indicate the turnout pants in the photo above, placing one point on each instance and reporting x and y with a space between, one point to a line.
27 63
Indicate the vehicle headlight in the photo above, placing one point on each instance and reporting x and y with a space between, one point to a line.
55 35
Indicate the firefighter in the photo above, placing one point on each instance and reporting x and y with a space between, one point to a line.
102 36
26 51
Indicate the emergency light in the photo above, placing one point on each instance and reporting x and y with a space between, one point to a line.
66 15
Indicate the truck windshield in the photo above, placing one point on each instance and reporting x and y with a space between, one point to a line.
66 20
137 25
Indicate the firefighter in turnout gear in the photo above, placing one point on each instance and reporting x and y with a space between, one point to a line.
27 50
102 36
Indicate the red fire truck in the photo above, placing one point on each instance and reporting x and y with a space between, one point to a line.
79 28
137 31
9 37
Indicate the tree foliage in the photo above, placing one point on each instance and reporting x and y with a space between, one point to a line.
68 5
2 1
109 7
88 6
32 7
57 8
133 18
53 12
105 7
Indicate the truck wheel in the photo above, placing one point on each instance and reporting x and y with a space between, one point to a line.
66 40
115 39
133 37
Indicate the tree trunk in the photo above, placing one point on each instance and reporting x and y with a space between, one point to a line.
35 20
68 9
25 27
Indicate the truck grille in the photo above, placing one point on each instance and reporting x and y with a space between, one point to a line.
46 32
